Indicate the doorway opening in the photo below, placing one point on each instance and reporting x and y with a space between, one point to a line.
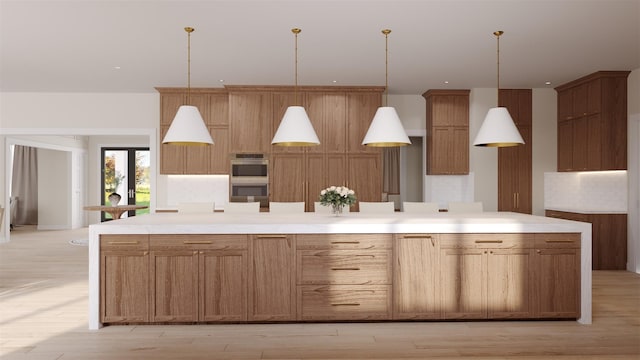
126 172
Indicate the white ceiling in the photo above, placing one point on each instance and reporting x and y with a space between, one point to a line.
74 46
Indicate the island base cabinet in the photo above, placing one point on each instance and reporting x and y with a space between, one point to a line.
416 277
223 290
124 270
557 276
344 302
198 278
272 281
174 297
487 276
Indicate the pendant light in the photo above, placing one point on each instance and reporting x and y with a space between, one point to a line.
386 129
187 127
498 129
295 128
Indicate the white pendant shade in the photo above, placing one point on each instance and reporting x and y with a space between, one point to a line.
295 129
188 128
386 130
498 130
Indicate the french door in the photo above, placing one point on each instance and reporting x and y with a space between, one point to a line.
125 171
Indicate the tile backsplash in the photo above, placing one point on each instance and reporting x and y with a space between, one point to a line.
602 191
443 189
198 188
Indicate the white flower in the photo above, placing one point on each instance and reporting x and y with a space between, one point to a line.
351 192
332 188
323 192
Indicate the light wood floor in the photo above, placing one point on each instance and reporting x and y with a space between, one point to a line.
43 315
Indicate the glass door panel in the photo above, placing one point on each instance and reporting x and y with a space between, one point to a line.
125 171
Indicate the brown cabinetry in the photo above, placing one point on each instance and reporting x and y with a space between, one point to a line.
486 276
608 237
557 275
416 276
514 163
250 121
124 273
447 132
213 105
198 278
592 122
272 278
344 277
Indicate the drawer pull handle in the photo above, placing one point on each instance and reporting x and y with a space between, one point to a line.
346 304
123 242
345 242
417 237
196 242
558 241
346 268
271 236
488 241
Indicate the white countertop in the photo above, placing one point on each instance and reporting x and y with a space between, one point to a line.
310 223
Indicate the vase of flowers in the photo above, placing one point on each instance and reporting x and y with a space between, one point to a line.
337 197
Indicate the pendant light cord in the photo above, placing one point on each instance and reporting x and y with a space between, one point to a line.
189 30
386 33
497 34
296 31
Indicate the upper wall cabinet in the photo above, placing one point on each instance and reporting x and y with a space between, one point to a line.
213 105
447 132
592 122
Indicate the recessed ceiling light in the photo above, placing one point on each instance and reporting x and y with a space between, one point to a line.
221 80
547 82
446 82
116 68
334 81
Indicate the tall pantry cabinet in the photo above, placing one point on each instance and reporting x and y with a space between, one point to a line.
514 163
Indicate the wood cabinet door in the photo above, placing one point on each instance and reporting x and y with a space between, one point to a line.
197 158
416 277
594 144
314 104
334 137
316 178
272 295
223 285
557 283
124 294
515 175
463 274
287 177
459 152
218 110
171 156
565 145
509 285
580 146
169 104
365 177
449 151
219 151
565 105
580 93
250 118
361 108
174 286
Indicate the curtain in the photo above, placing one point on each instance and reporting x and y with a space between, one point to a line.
24 184
391 170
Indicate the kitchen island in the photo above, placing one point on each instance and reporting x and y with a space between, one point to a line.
203 268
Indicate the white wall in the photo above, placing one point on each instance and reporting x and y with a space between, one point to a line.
54 189
483 161
545 143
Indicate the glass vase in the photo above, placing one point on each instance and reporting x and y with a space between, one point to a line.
336 209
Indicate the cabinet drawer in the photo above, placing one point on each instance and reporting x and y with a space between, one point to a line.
344 267
495 241
344 302
558 240
344 241
205 242
124 242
